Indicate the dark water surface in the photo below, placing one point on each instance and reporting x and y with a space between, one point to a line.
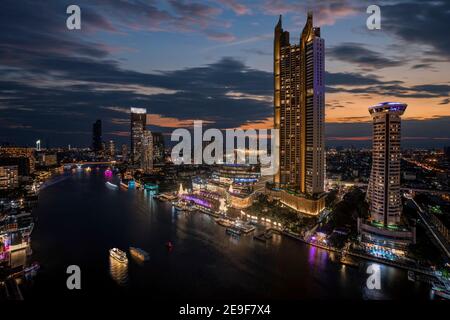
80 219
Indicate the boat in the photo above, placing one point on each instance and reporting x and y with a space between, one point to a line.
118 255
441 290
224 222
178 207
268 235
233 231
139 254
112 185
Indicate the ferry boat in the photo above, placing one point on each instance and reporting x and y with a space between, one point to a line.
224 222
139 254
118 255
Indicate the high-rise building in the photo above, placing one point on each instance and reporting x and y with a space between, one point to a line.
384 185
111 149
138 124
124 152
147 152
22 157
97 136
9 177
158 147
299 107
385 227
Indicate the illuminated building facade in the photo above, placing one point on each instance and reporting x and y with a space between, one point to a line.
47 159
124 152
9 177
384 186
22 157
158 147
299 107
385 227
111 149
138 124
233 182
147 152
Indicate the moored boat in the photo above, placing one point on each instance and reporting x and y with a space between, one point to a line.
118 255
139 254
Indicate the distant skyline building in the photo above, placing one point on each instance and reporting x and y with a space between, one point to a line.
158 147
124 152
97 136
147 152
299 114
138 124
385 227
111 149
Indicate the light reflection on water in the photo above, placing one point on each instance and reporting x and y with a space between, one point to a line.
118 272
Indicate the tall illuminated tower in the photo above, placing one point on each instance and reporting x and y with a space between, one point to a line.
299 107
385 230
138 124
299 101
384 186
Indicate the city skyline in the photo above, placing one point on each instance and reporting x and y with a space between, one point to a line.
173 150
111 64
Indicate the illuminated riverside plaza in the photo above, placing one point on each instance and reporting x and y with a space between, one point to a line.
299 105
385 227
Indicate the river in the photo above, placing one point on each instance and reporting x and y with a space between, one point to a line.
80 219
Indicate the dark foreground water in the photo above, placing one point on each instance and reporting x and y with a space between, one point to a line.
80 219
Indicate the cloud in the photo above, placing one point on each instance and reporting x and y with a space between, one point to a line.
445 101
226 93
428 133
422 66
238 8
325 12
159 120
419 23
358 54
396 90
220 36
257 52
354 79
112 16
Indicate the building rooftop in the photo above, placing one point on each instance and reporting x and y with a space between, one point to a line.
388 107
